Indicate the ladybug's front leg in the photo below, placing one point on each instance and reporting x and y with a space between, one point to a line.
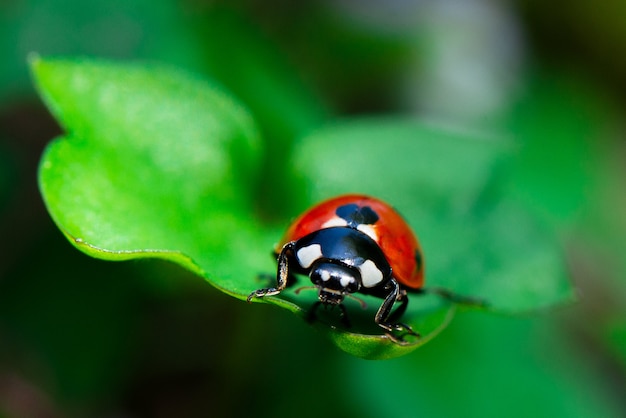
282 274
384 312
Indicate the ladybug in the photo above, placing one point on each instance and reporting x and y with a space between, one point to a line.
349 244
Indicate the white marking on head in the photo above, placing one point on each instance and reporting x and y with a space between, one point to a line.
334 221
368 230
325 275
370 274
345 281
308 255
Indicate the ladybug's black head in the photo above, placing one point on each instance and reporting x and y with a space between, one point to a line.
334 281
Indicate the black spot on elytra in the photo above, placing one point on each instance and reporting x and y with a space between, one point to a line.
355 215
418 259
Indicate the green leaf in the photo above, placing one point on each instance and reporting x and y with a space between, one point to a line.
409 163
487 366
155 163
476 243
558 160
434 315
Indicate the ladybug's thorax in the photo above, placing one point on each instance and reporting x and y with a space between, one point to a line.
341 260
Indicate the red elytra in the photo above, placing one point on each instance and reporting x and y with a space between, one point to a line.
391 232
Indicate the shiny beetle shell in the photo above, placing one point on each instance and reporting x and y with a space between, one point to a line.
380 222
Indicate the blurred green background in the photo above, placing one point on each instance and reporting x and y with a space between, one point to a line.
87 338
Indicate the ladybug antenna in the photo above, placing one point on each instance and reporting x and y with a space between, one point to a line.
361 301
298 290
351 296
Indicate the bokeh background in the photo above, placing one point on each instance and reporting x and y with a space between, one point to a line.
86 338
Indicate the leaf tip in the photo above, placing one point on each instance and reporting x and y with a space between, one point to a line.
37 66
33 58
34 61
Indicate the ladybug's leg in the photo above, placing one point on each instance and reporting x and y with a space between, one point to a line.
400 310
344 316
282 275
312 315
383 315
